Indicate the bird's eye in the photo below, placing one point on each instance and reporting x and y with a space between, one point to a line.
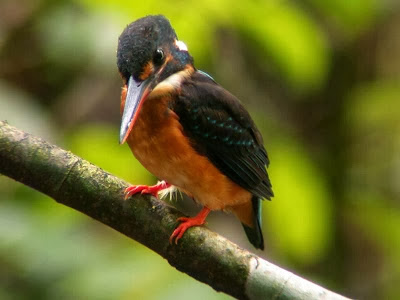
158 56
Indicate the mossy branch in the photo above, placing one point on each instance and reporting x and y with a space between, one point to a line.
202 254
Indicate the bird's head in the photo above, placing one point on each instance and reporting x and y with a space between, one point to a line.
148 53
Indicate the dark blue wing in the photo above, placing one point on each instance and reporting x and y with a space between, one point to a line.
220 128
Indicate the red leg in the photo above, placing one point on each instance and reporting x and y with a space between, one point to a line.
145 189
189 222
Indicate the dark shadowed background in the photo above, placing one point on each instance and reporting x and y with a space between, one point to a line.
322 81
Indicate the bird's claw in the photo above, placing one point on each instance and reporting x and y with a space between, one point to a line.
198 220
178 233
146 189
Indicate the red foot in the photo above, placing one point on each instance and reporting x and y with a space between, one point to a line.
146 189
187 223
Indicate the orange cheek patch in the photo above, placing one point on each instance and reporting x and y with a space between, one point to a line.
147 71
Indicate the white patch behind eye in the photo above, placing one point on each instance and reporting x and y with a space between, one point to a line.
181 45
172 82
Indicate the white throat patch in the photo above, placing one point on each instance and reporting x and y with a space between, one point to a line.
181 45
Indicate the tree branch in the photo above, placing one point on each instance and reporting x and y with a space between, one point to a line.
202 254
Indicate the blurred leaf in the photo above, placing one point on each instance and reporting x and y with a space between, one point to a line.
20 110
187 17
299 218
83 259
65 35
373 115
375 105
281 31
98 143
289 40
350 17
70 36
380 223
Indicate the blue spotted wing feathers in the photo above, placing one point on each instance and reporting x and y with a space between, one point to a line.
220 128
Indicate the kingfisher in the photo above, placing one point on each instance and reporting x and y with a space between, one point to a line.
189 131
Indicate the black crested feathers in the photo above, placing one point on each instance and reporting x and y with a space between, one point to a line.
139 41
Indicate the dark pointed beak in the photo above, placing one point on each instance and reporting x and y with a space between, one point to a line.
135 96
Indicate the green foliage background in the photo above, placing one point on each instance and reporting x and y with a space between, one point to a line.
322 80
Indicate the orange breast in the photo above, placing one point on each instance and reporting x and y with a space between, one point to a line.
158 142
